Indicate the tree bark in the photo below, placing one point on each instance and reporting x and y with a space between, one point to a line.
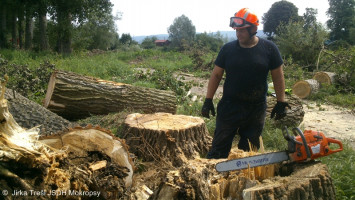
21 10
325 77
65 31
42 18
74 96
166 137
294 116
3 41
29 114
28 29
305 88
14 27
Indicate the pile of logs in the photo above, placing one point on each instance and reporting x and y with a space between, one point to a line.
305 88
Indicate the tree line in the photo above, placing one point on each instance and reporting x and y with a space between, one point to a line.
62 26
57 24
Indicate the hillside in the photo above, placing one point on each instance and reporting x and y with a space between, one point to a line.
230 35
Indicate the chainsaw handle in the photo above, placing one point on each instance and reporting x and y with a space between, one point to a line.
299 132
334 141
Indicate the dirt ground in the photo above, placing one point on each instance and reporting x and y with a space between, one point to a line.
333 121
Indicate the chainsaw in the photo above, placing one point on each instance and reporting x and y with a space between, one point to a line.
302 147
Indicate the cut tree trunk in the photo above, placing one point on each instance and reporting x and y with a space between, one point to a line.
294 116
325 77
166 137
74 96
198 179
306 181
305 88
29 114
81 142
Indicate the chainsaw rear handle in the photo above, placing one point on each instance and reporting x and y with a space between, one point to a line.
299 132
334 141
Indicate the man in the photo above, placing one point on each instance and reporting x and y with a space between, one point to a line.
242 109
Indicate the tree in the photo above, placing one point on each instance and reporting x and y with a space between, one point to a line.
310 17
181 32
42 18
148 42
342 19
210 41
97 32
3 31
280 12
126 39
301 43
64 13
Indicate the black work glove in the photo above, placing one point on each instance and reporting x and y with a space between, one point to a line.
279 110
207 107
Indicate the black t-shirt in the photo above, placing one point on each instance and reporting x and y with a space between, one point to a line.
247 69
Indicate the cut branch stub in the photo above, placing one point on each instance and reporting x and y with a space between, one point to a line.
75 96
166 137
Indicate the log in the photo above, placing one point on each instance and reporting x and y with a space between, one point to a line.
75 96
294 116
166 137
325 77
305 88
29 114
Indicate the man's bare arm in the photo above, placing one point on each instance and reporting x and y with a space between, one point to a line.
277 76
214 81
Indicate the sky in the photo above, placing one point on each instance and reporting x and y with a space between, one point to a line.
152 17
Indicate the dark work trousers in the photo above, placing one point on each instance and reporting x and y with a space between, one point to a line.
233 118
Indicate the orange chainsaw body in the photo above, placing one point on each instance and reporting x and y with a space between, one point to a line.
317 145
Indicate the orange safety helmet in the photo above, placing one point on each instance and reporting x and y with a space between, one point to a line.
243 19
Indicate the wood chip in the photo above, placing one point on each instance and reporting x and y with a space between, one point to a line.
98 165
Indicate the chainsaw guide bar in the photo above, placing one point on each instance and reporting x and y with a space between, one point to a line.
252 161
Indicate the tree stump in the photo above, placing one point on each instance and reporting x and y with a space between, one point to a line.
74 96
163 136
198 179
325 77
309 180
294 116
305 88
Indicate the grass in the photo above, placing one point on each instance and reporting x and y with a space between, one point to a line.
121 66
342 170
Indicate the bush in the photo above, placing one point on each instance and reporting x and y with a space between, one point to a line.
27 81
